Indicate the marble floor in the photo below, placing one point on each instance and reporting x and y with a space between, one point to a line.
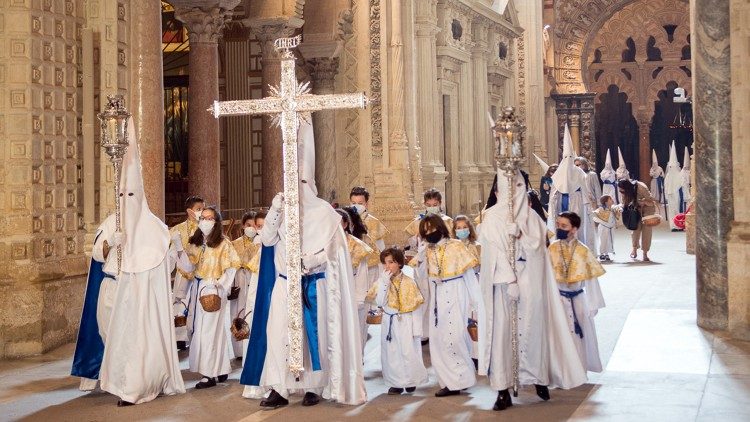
659 366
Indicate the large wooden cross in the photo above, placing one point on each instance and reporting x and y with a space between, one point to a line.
286 103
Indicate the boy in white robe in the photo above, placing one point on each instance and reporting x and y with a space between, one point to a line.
547 355
140 359
577 271
401 327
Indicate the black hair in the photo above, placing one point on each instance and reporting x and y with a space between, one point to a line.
250 215
216 236
360 190
436 222
356 227
192 200
536 203
433 193
575 219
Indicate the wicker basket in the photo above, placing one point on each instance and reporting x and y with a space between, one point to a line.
473 330
210 302
181 319
651 220
234 292
240 328
375 316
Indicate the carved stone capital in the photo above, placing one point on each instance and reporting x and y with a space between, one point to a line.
205 20
269 30
323 70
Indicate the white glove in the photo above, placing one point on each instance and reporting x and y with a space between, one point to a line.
278 201
513 291
512 229
618 207
177 241
385 276
310 262
116 239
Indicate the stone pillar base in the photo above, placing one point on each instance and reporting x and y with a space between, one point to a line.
738 255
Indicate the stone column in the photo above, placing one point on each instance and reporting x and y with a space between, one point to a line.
713 139
428 113
738 245
690 216
322 73
577 110
644 149
147 96
204 20
267 31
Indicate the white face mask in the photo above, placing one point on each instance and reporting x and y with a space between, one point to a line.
196 214
361 210
206 226
250 232
433 210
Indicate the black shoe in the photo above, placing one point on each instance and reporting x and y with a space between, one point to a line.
222 378
310 399
411 389
182 345
476 364
503 401
393 391
123 403
274 400
425 341
542 391
206 382
444 392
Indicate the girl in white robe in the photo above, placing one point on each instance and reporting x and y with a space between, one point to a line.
448 267
215 264
463 230
606 218
246 248
401 327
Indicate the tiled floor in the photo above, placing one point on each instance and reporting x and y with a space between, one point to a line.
659 367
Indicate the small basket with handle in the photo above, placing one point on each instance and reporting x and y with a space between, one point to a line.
234 292
240 328
375 316
180 320
473 329
210 302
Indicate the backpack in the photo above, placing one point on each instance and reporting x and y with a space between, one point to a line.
631 217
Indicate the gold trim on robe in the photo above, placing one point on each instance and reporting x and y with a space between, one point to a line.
373 259
186 229
413 227
211 263
403 294
358 250
450 259
246 249
375 229
582 266
475 249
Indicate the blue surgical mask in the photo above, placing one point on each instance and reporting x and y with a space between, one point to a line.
562 234
462 233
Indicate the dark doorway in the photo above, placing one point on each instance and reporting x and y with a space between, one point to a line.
672 122
616 127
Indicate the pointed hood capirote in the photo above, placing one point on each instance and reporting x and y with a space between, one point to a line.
673 180
318 219
542 164
568 178
146 237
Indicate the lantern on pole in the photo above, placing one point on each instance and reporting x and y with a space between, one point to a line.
114 141
509 134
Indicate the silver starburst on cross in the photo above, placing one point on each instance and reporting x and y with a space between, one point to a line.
287 104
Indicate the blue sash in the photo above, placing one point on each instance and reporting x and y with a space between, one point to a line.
310 314
255 355
682 202
570 296
660 187
90 348
565 205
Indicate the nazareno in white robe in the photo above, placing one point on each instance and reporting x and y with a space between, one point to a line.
401 356
547 354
